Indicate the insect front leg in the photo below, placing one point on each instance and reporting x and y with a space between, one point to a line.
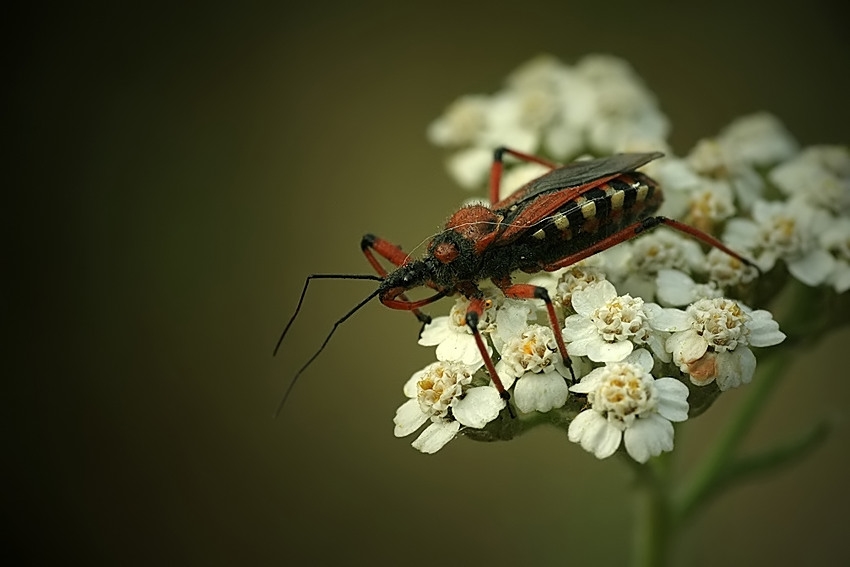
394 254
529 291
474 313
497 168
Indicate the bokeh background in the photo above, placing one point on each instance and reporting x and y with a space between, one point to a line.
176 174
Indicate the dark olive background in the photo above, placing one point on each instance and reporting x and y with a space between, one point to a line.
176 174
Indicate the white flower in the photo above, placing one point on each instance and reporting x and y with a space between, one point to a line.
758 139
532 359
606 326
470 166
819 175
577 277
711 203
462 122
711 340
783 230
629 405
727 271
712 160
452 336
441 393
663 248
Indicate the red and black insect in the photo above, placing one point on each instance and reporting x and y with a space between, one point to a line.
554 221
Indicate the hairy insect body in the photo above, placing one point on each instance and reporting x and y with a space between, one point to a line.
474 245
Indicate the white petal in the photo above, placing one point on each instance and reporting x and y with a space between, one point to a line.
672 399
595 434
764 331
511 320
675 288
408 418
540 392
459 347
668 319
740 234
469 167
478 407
436 436
589 382
686 346
735 368
586 301
601 351
577 328
812 268
648 437
840 278
435 332
657 342
410 387
642 358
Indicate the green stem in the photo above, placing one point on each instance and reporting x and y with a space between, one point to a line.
653 525
771 368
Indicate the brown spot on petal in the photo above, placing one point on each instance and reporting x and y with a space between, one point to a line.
703 370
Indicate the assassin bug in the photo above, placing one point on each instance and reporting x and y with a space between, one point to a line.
554 221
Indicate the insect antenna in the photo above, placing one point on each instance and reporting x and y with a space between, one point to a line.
342 319
304 291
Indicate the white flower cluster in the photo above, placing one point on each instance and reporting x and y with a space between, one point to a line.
599 104
657 304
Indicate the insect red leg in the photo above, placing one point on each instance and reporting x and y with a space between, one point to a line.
497 168
529 291
473 314
634 230
394 254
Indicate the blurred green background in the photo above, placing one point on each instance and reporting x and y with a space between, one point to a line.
176 174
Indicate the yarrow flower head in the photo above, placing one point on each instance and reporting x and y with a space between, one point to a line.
628 404
606 327
532 359
786 231
443 393
711 340
452 336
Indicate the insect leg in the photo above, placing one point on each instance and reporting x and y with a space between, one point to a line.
473 314
529 291
497 168
636 229
394 254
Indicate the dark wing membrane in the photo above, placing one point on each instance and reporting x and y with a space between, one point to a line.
583 172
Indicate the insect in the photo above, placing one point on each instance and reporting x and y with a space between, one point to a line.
554 221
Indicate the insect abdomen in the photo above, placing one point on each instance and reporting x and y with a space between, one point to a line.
595 214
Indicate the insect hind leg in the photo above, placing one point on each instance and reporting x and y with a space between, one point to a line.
497 168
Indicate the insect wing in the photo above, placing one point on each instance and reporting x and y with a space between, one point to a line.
538 199
584 173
